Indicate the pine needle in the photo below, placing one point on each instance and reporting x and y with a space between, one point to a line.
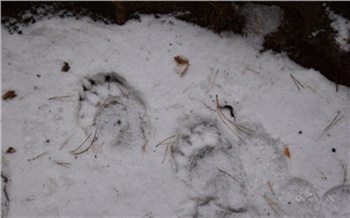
92 142
227 121
63 164
81 144
270 187
61 98
170 137
221 171
212 81
274 206
166 152
40 155
334 121
296 82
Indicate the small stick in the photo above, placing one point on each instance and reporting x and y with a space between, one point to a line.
221 171
81 144
92 142
40 155
170 137
166 152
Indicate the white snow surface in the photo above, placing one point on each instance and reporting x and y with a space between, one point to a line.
123 95
342 27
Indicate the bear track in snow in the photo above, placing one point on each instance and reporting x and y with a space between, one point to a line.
109 106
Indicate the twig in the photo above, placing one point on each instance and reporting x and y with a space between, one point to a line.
334 121
166 152
296 82
170 137
221 171
40 155
92 142
81 144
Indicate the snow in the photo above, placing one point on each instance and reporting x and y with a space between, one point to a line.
342 27
158 143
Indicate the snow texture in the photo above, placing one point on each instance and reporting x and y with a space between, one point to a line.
123 134
342 27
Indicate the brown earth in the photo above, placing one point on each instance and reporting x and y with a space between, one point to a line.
293 36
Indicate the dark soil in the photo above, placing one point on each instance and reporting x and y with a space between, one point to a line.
293 36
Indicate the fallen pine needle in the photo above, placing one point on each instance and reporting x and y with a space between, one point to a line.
92 142
98 148
252 70
61 98
221 171
81 144
270 187
121 90
296 82
274 206
170 137
212 82
166 152
144 147
65 142
40 155
190 87
334 121
224 119
345 169
63 164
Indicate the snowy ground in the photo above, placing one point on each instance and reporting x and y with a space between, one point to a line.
157 144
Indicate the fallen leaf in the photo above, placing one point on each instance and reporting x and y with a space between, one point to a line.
10 150
181 60
286 152
9 95
65 67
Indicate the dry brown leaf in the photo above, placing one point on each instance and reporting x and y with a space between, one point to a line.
9 95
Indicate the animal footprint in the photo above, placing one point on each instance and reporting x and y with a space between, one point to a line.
110 107
204 160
